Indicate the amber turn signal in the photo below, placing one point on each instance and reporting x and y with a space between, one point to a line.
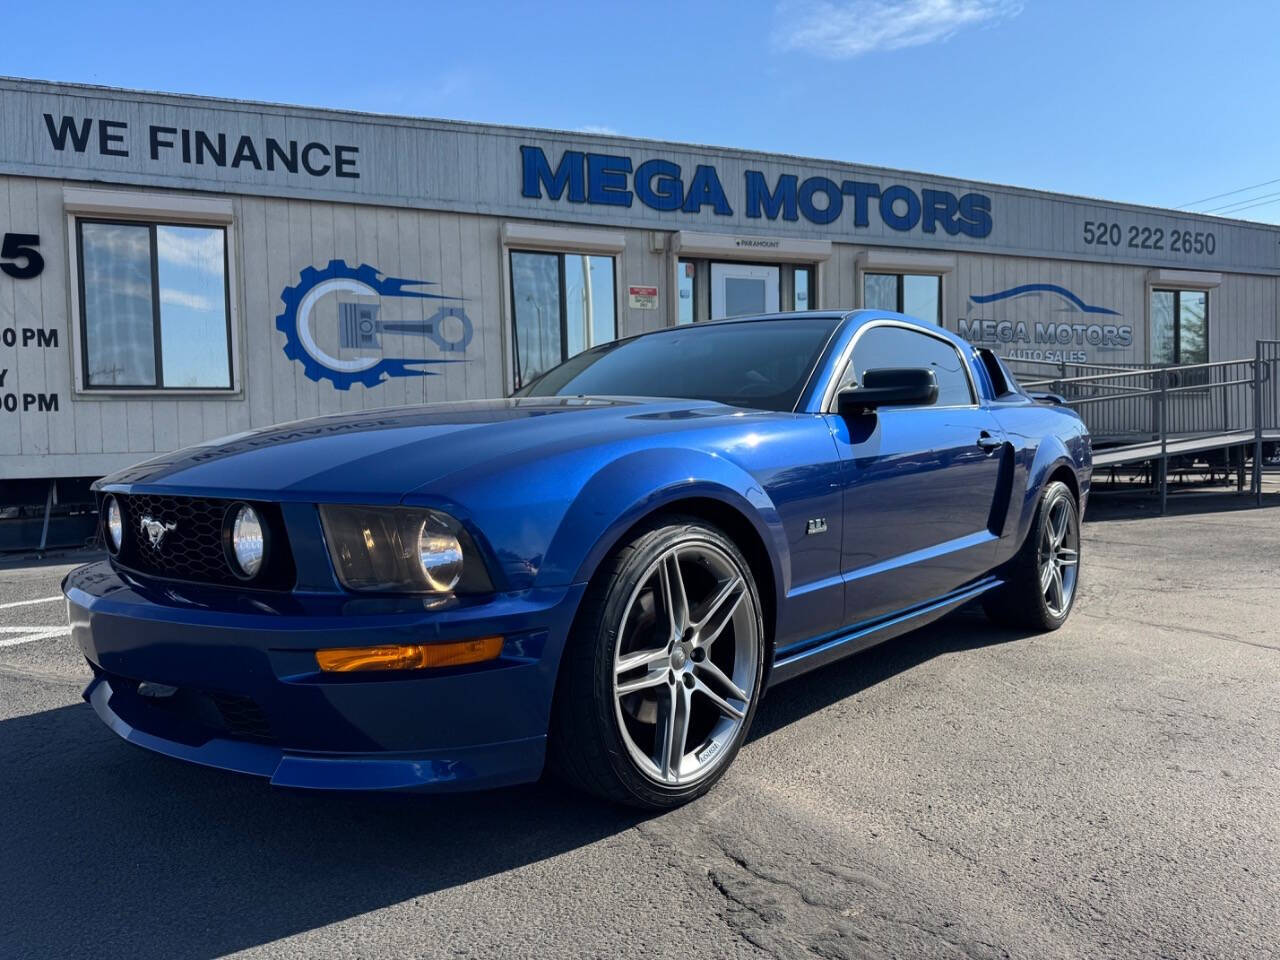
413 656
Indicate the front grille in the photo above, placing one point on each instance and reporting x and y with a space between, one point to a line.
188 715
192 546
243 718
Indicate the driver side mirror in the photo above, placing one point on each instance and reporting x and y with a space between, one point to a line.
898 387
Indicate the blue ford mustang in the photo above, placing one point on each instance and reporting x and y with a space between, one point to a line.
602 574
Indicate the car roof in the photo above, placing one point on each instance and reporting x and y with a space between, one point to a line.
850 321
837 316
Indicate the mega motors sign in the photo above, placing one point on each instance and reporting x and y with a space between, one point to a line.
611 180
1043 321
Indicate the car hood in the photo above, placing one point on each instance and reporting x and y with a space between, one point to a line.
379 456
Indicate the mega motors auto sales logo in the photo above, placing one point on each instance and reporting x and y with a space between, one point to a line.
342 351
1077 325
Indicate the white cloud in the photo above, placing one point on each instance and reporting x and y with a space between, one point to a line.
849 28
190 247
180 298
603 131
116 243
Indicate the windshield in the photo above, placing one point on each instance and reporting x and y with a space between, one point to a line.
762 364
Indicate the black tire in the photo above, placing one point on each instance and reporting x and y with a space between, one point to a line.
586 745
1022 602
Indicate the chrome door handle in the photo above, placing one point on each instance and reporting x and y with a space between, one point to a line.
989 443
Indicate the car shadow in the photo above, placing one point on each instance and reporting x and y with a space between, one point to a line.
108 850
789 702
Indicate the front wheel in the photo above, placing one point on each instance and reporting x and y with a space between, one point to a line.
661 675
1040 581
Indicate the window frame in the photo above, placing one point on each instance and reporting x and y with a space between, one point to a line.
82 319
1177 322
511 251
900 294
139 207
831 393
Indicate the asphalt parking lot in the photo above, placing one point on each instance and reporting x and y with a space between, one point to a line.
1111 790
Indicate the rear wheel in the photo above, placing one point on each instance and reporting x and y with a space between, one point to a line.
1040 581
661 676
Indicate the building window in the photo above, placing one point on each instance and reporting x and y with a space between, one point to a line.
154 306
915 294
1179 326
563 303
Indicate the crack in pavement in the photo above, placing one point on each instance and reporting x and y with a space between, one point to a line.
821 910
945 846
1199 631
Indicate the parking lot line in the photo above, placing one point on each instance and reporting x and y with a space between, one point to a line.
27 603
31 634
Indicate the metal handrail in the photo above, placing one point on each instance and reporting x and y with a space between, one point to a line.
1137 368
1211 386
1160 404
1100 386
1062 363
1072 401
1154 371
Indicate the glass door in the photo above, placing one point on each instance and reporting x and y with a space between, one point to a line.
741 289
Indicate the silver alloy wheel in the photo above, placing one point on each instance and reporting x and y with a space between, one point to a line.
1059 556
685 663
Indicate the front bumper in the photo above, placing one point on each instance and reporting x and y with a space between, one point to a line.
248 696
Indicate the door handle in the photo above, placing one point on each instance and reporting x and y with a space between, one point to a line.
988 443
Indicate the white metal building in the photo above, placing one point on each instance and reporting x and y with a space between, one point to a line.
178 268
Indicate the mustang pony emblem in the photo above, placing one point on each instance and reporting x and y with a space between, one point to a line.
155 530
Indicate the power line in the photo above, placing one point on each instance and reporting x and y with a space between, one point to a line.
1218 196
1244 202
1240 203
1263 203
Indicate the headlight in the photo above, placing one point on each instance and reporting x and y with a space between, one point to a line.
246 541
114 523
402 550
439 557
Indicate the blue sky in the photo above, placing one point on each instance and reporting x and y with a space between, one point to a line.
1161 103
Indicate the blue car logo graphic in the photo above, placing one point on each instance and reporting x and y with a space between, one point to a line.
1031 289
359 326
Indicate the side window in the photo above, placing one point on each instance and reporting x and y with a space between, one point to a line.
885 347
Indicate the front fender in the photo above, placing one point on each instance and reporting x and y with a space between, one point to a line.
630 488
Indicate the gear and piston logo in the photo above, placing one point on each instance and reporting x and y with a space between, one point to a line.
360 329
